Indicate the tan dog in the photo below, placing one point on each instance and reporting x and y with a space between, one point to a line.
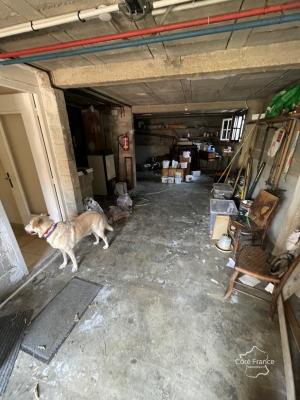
65 235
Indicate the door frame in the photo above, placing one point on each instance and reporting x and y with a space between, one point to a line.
17 188
25 105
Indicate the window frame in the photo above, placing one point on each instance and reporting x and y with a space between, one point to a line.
225 134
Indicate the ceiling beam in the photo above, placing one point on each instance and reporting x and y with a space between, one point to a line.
190 107
216 63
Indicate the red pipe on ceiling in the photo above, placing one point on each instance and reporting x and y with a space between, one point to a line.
157 29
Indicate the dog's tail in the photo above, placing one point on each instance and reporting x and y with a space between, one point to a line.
109 228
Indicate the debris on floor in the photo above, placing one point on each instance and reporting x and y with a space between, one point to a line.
231 263
249 280
116 213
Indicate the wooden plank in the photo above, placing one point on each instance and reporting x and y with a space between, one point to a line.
287 361
293 323
252 292
292 284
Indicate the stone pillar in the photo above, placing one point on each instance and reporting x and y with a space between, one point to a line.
59 135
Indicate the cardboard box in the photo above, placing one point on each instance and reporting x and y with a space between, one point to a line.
183 159
179 171
220 226
187 171
172 171
165 172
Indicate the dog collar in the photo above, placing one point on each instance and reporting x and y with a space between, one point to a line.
49 231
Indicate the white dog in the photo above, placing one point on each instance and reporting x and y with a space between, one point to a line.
65 235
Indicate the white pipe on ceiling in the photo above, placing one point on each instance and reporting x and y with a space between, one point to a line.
160 7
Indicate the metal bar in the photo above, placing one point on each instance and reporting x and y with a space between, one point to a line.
159 39
157 29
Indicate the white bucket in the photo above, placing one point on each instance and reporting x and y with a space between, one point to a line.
170 179
178 179
166 164
189 178
164 179
183 165
174 164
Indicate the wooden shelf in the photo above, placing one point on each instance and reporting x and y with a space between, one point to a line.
269 121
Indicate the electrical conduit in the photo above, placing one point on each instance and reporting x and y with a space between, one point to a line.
158 39
157 29
82 16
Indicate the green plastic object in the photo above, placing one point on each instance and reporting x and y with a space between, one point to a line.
286 99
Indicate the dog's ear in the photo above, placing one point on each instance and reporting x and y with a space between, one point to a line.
37 221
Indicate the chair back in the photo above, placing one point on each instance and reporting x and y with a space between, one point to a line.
263 207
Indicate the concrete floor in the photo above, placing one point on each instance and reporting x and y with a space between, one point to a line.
159 329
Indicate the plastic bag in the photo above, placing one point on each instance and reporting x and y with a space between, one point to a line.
287 99
124 202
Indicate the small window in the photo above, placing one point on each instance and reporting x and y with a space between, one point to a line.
237 128
226 129
232 128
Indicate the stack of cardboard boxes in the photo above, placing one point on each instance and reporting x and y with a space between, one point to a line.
177 171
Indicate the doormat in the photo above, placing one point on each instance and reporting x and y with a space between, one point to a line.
54 323
12 329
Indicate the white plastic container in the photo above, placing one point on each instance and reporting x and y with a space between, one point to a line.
171 179
196 176
196 173
174 164
164 179
221 207
183 165
222 191
178 179
166 164
189 178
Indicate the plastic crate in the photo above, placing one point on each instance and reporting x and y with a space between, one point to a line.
222 191
220 207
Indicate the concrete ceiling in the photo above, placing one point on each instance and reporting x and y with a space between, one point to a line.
18 11
4 90
221 88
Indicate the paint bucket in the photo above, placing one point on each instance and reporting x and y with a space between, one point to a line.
178 179
224 243
183 165
166 164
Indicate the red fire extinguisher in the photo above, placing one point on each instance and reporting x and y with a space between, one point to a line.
124 141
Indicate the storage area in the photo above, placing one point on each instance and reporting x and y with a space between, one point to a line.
150 200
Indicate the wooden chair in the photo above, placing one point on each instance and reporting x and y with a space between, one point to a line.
252 230
254 261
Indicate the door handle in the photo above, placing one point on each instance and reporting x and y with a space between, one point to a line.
8 178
